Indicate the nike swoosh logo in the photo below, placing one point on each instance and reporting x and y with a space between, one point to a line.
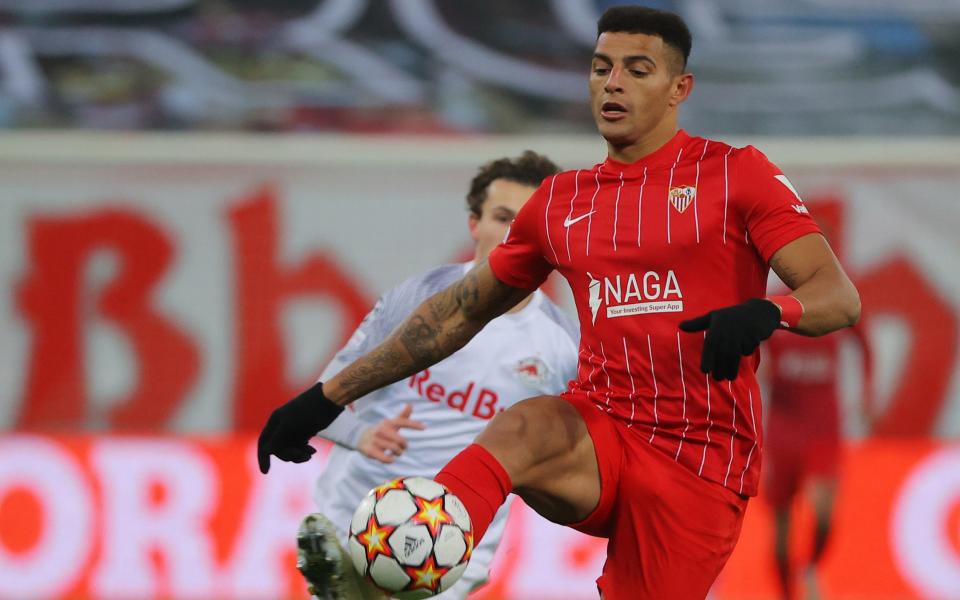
568 221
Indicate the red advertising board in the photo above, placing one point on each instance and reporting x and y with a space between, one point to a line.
145 517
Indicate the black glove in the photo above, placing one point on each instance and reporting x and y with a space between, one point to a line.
733 332
291 426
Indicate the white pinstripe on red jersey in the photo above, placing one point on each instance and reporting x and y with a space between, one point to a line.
603 366
703 458
573 198
670 187
683 384
656 390
593 200
546 219
733 434
696 186
753 428
633 387
616 213
640 205
592 370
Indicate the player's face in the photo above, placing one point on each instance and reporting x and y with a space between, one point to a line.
504 199
635 85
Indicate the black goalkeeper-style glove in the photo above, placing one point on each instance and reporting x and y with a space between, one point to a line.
291 426
733 332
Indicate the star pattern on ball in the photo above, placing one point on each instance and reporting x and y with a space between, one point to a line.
426 576
374 539
432 514
468 537
380 491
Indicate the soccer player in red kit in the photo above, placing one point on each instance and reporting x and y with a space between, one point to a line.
802 454
666 246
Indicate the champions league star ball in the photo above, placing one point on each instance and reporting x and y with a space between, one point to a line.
411 537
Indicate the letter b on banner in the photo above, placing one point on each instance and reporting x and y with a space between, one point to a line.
55 297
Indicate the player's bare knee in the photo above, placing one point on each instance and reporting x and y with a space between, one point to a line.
518 433
532 433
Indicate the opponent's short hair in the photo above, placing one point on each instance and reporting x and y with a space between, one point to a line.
529 168
670 27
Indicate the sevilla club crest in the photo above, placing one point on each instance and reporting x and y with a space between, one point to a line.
682 196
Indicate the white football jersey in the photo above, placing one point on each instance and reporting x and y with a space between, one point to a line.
516 356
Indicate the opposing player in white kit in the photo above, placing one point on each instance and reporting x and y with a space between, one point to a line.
530 350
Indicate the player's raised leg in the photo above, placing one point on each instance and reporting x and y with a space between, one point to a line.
540 449
670 531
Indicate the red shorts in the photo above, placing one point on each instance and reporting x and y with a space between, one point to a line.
787 467
670 532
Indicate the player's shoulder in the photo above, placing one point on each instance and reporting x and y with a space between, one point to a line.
750 157
704 148
436 278
567 179
420 286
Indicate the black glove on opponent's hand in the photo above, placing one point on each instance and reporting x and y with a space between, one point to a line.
733 332
291 426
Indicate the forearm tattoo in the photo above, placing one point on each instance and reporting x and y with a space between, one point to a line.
438 328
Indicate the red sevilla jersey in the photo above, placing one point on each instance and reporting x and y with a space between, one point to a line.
803 391
685 230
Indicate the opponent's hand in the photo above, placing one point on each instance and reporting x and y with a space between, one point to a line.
383 441
291 426
733 332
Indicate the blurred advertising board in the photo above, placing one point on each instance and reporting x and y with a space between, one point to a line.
186 517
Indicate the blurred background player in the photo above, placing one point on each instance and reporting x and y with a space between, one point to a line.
804 433
531 350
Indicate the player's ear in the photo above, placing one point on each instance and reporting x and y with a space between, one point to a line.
682 88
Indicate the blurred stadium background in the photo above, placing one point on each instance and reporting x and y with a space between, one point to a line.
202 198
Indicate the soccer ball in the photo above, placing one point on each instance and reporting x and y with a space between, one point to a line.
411 537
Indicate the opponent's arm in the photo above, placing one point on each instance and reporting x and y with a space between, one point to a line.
381 441
437 328
830 301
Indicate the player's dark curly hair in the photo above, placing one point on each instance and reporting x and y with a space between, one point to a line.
668 26
529 168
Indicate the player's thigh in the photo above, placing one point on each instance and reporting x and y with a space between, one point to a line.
673 531
545 447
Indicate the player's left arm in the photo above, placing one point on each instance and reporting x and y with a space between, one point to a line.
823 300
828 298
779 226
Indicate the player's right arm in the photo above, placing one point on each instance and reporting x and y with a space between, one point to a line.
437 328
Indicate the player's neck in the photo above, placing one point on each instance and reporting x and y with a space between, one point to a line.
646 145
